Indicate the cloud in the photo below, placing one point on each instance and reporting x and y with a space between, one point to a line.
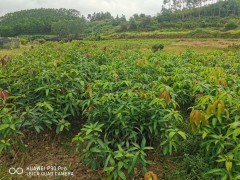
126 7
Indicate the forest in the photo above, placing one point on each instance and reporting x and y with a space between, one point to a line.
174 15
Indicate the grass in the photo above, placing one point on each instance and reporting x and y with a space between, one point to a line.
173 46
4 172
199 45
14 52
173 34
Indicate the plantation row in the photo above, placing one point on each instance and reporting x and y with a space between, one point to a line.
130 101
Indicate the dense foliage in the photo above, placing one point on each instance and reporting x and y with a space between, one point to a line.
36 21
174 15
129 101
200 8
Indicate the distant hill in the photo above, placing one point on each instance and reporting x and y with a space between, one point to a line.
188 9
34 21
214 16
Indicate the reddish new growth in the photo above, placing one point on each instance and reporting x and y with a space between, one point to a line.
4 60
88 56
4 95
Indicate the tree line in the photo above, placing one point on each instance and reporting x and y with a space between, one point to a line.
185 9
182 14
39 21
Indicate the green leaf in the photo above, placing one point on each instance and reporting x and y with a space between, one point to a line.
228 165
214 122
100 142
95 149
221 160
171 134
118 155
204 135
215 171
61 128
120 148
48 106
38 89
112 162
182 134
107 160
12 126
129 155
237 176
148 148
165 150
109 169
143 143
88 131
155 125
122 175
135 159
37 128
3 126
136 145
120 165
47 92
170 148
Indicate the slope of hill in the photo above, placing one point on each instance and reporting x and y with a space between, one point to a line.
176 16
34 21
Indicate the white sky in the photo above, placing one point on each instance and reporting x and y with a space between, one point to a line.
126 7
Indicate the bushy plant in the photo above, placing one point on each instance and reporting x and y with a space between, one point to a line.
24 41
219 126
98 153
157 47
231 25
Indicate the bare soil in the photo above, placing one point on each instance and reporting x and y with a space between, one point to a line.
49 149
206 43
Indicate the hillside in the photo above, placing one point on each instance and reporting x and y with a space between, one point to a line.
35 21
213 18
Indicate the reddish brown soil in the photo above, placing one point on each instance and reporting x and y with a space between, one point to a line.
47 149
196 43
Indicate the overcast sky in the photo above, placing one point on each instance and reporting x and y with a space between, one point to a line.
126 7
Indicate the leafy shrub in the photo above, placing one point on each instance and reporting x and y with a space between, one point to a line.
199 32
157 47
98 153
121 125
231 25
24 41
218 124
40 41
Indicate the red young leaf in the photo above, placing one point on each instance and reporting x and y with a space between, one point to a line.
4 94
